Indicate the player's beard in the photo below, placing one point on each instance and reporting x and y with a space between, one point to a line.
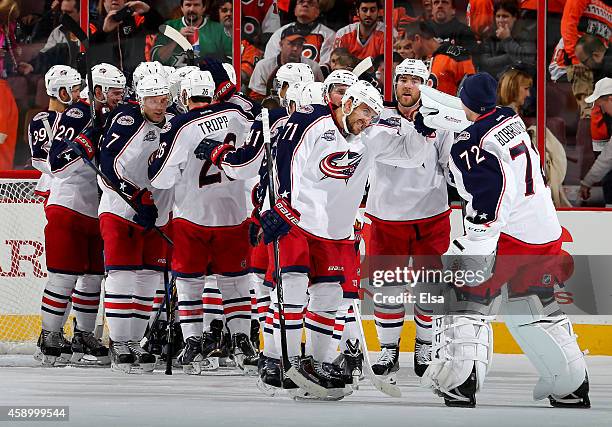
412 100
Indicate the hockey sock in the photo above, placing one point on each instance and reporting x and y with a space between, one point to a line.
236 303
254 313
294 319
423 325
55 300
118 304
86 300
269 344
337 334
190 305
212 302
389 318
157 301
319 331
144 292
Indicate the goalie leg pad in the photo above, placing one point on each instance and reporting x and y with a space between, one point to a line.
546 336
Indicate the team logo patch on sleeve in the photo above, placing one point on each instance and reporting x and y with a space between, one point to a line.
305 109
75 113
393 121
329 135
166 127
463 136
42 115
125 120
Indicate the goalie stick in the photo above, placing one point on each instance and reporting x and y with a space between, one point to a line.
180 40
382 386
287 369
363 66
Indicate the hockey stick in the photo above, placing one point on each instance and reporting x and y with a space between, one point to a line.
287 369
179 39
363 66
169 297
382 386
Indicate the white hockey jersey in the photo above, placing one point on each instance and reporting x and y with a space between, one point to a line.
497 171
400 194
126 150
41 131
323 172
204 195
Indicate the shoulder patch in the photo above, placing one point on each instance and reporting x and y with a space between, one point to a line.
329 135
150 136
463 136
166 127
394 121
74 113
42 115
125 121
307 109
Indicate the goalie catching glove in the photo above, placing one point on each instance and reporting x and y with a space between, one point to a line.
277 221
146 211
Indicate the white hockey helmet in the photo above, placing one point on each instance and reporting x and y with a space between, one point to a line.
338 77
293 72
108 77
312 93
174 80
146 68
361 92
197 83
61 76
152 85
169 70
293 94
230 72
412 67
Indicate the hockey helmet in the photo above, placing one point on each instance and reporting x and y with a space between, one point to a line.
338 77
152 85
312 93
61 76
412 67
108 77
361 92
174 79
197 83
146 68
293 72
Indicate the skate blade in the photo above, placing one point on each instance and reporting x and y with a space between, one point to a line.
126 368
146 368
248 370
210 364
226 362
333 394
81 360
267 389
193 368
38 356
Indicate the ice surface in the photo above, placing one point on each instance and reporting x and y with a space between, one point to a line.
99 397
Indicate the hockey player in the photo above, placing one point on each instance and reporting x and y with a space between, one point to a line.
72 231
408 221
134 254
509 209
322 164
335 85
209 225
174 81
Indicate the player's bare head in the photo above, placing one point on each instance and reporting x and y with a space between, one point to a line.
295 72
306 11
336 84
63 83
197 89
153 94
367 12
193 11
113 5
422 35
361 105
109 85
409 74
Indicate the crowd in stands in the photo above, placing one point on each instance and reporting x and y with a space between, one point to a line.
456 37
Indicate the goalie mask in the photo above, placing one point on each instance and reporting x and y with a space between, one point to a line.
61 77
293 72
337 78
361 92
197 83
108 77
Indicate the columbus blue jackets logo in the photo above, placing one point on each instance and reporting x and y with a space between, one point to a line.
394 121
75 113
329 135
340 165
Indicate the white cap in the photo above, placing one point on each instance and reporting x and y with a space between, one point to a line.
602 88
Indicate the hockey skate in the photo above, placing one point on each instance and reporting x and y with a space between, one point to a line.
269 381
422 357
244 354
463 396
191 357
324 375
53 349
157 338
122 359
212 346
577 399
226 359
387 364
255 335
87 350
353 362
145 361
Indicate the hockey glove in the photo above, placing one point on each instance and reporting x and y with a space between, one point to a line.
420 127
224 88
146 211
212 150
277 221
84 144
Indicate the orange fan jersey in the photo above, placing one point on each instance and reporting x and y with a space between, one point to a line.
553 5
348 37
250 56
450 64
479 16
585 16
259 16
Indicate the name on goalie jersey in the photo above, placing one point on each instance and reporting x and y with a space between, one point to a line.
214 124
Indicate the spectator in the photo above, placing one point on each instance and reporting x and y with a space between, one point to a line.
9 115
449 63
222 13
509 44
379 70
341 59
365 37
319 39
36 27
259 20
62 47
207 37
479 17
427 14
513 89
122 43
590 53
447 27
251 54
602 168
403 46
291 46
